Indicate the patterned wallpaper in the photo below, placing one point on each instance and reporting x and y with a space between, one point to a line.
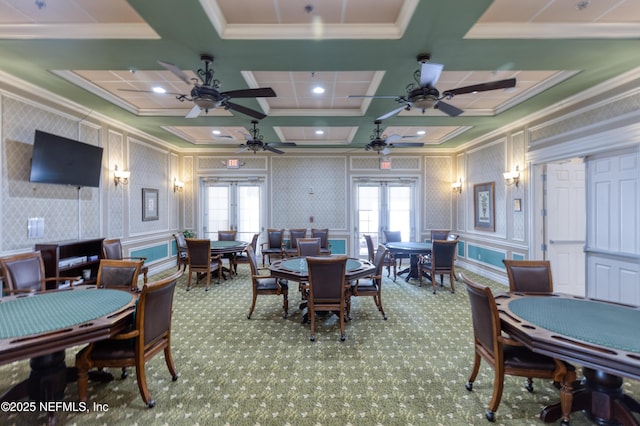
68 213
486 164
323 193
117 194
437 193
151 171
518 218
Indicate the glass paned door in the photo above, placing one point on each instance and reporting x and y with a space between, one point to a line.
383 206
233 205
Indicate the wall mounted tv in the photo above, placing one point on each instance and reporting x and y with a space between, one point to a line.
65 161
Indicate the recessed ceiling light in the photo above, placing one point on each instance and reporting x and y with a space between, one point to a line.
421 132
215 132
319 132
159 89
318 90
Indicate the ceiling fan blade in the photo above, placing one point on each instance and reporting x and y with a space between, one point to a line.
244 110
176 71
406 144
269 148
151 91
385 150
264 92
283 144
391 113
195 111
372 96
482 87
430 73
448 109
243 148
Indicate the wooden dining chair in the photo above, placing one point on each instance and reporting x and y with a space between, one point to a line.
119 274
112 249
370 286
503 354
388 259
24 273
229 235
309 247
439 234
529 276
183 253
244 257
274 246
151 333
441 262
263 284
201 262
395 237
327 290
323 234
294 235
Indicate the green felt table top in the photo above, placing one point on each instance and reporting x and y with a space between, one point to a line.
603 324
49 311
226 244
300 265
409 246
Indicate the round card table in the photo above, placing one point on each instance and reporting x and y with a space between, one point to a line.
295 269
413 249
601 336
227 247
41 326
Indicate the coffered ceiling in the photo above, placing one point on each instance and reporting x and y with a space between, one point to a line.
104 56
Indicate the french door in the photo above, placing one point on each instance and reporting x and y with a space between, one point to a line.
384 205
233 205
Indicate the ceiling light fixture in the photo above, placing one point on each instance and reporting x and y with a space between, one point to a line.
159 89
421 132
216 132
318 90
319 132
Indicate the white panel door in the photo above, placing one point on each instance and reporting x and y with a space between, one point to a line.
566 226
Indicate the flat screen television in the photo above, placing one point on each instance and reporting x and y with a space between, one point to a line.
64 161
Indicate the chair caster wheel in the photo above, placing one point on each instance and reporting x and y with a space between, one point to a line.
469 386
312 338
174 378
151 404
528 387
124 375
248 316
491 416
343 338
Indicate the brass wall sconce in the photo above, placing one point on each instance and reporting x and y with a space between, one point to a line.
512 178
120 176
456 187
177 185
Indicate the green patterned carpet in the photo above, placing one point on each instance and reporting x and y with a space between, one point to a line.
408 370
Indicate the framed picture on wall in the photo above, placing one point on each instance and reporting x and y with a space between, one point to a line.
483 206
149 204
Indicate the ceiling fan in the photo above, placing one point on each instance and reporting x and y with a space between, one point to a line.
382 145
206 95
254 142
425 96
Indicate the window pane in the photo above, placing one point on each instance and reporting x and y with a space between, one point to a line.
217 210
248 212
400 210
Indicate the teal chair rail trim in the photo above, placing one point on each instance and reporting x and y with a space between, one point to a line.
486 256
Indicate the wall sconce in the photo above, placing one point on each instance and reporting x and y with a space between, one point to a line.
457 186
512 178
177 185
120 176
